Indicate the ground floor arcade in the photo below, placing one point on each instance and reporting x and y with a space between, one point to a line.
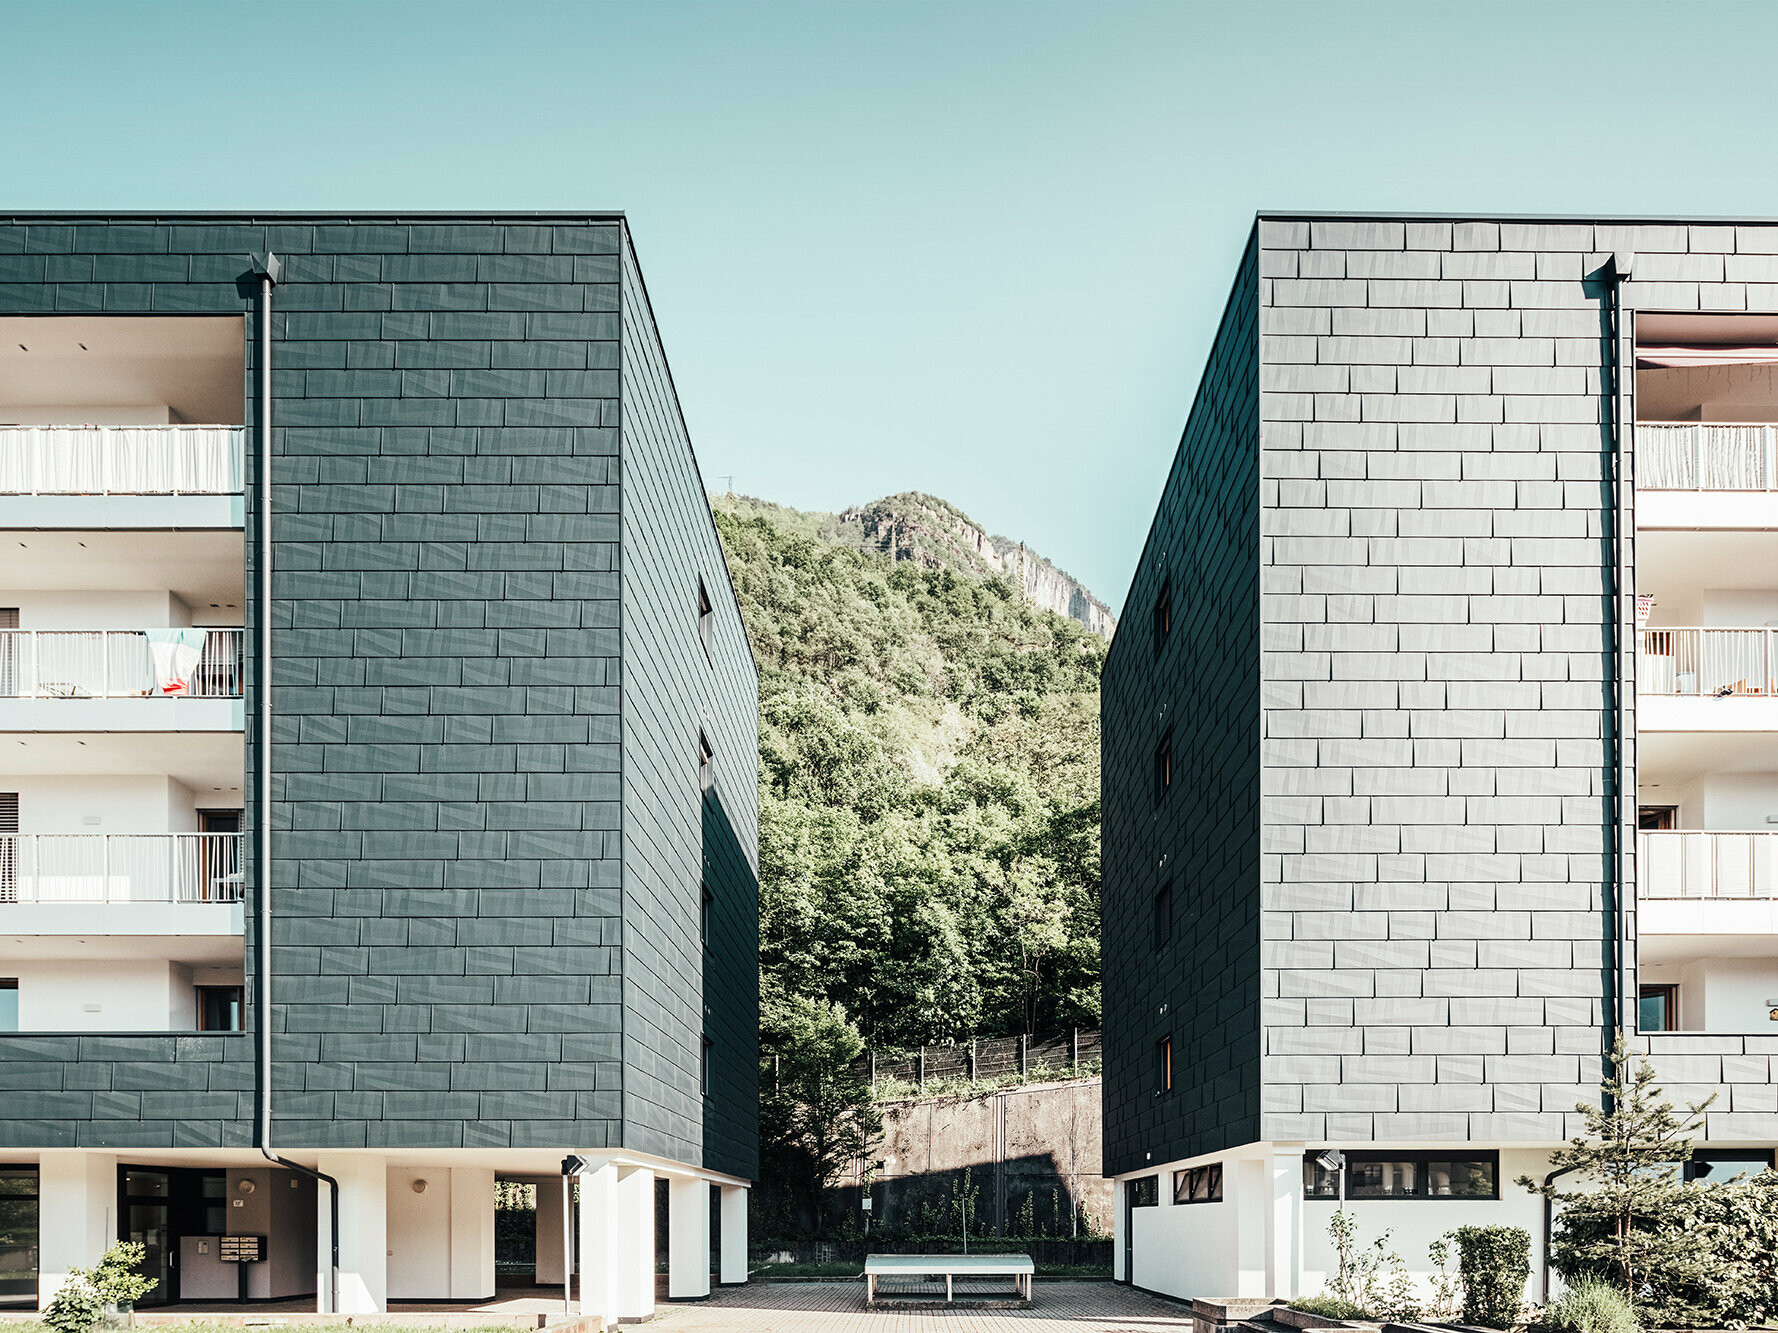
227 1227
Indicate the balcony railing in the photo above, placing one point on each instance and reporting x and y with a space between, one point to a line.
1696 661
116 664
1699 864
1705 457
121 460
119 868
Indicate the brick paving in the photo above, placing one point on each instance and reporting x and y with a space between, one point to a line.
838 1307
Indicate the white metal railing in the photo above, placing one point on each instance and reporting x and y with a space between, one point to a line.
121 460
111 664
1705 661
1705 456
1707 864
119 868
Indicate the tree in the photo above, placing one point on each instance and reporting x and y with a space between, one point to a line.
816 1115
1627 1165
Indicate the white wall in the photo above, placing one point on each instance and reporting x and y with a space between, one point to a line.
1707 393
281 1207
1185 1250
96 610
125 995
135 804
145 414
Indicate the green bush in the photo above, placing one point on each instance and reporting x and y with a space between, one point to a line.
76 1306
1589 1306
1494 1263
1327 1307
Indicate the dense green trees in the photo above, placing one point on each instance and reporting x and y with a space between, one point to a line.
929 783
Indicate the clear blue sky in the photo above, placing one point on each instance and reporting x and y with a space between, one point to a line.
971 248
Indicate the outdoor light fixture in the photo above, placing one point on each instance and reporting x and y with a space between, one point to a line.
419 1187
1331 1160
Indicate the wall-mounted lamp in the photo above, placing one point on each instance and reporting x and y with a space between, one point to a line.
419 1187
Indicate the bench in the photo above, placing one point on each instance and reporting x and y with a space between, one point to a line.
949 1266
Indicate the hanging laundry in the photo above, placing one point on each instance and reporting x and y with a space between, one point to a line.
176 653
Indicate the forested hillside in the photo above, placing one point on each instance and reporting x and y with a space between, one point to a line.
929 782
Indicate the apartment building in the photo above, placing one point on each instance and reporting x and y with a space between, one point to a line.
1441 738
359 593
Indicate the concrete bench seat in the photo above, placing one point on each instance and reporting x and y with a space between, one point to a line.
950 1267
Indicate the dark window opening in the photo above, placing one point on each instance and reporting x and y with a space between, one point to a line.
1143 1192
18 1236
1163 767
1657 1008
704 1066
1163 1065
1163 614
1656 818
9 1004
1163 916
1388 1175
1720 1167
706 622
706 899
220 1009
706 764
1198 1184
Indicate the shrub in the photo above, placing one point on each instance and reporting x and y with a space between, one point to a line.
1327 1307
1494 1263
76 1306
1589 1306
1372 1280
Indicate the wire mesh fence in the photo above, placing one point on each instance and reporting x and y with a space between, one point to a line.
993 1060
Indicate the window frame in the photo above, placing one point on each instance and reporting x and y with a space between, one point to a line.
1163 1067
239 990
1669 990
1422 1160
34 1170
1163 767
1185 1181
1163 914
706 900
706 764
1137 1187
706 621
1162 616
705 1047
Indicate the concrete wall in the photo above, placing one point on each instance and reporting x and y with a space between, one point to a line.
118 994
103 804
96 610
281 1207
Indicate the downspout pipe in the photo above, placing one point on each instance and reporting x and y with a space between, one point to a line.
268 269
1616 272
1549 1212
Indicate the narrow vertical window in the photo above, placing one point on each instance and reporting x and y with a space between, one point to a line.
704 1066
9 1004
1163 767
1163 1065
704 914
706 764
1163 916
1163 614
706 622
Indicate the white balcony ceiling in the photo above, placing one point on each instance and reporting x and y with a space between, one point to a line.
205 569
193 364
212 764
96 945
1676 566
1667 759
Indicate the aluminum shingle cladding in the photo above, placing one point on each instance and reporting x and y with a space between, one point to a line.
1432 504
450 770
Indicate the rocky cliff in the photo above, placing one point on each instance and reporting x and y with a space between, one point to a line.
913 526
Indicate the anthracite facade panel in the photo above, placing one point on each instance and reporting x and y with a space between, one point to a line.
449 783
1197 687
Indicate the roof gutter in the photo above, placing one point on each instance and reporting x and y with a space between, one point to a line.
267 269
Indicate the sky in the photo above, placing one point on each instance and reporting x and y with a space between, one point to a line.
971 248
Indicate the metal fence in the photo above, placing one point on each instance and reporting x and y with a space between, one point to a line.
119 868
984 1061
1707 863
111 664
121 460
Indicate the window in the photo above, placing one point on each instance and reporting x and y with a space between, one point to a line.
219 1009
1163 614
706 622
9 844
1720 1167
1389 1175
9 1004
18 1236
1143 1192
707 898
706 764
704 1066
1198 1184
1163 1065
1163 916
1657 1008
1656 818
1163 767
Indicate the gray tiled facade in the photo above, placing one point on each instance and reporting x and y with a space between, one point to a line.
1438 521
483 905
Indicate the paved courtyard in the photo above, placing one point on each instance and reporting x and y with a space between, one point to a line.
838 1307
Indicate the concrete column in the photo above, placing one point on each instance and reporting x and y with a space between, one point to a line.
600 1246
1120 1239
688 1239
634 1271
549 1231
1284 1225
364 1229
734 1235
1247 1186
77 1214
472 1233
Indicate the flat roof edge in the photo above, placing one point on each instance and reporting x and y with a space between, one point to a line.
1618 219
284 215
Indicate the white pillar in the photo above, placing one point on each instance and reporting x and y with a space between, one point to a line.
601 1253
472 1233
549 1231
1120 1222
77 1214
734 1235
1247 1185
688 1239
364 1229
634 1272
1284 1225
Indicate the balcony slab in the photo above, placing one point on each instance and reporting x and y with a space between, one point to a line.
1736 712
137 922
98 512
1707 511
112 715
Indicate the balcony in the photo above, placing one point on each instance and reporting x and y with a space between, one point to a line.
1707 679
1708 864
136 884
121 476
1706 475
120 680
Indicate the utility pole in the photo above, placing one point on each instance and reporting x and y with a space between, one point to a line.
729 482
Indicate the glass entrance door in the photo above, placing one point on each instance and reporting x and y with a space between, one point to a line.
18 1236
146 1213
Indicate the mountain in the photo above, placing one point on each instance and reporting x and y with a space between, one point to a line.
927 530
929 781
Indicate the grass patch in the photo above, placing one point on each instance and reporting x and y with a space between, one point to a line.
809 1270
